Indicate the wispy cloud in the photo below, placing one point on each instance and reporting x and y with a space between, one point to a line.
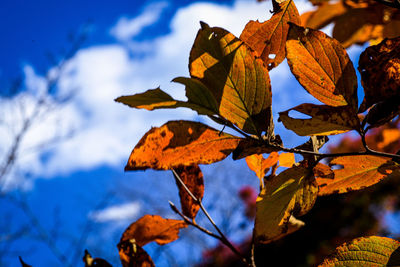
126 211
127 28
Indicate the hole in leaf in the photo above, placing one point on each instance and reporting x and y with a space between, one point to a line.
298 115
271 56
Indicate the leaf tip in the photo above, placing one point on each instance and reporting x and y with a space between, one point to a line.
204 25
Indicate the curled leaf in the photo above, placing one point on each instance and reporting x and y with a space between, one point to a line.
325 120
358 172
180 143
322 66
269 38
151 228
292 192
193 179
133 255
371 251
238 80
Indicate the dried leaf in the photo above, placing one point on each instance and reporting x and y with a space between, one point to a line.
383 112
89 261
193 179
322 66
180 143
292 192
269 38
151 228
286 160
133 255
366 251
379 66
260 165
358 172
325 120
238 80
325 14
248 147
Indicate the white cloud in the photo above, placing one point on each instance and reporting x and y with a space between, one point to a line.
127 211
107 131
127 28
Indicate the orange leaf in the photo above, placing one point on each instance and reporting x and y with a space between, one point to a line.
286 160
388 137
325 120
179 143
133 255
379 66
151 228
193 179
261 165
322 66
358 172
325 14
269 38
365 251
238 80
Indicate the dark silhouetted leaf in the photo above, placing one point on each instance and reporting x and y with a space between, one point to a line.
133 255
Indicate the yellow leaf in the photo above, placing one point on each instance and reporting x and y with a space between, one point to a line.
292 193
261 165
325 120
238 80
180 143
286 160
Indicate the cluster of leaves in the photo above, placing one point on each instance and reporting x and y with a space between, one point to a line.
229 83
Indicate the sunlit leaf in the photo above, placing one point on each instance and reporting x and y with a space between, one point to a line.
323 15
389 136
133 255
193 179
268 39
238 80
358 172
151 228
325 120
286 160
180 143
322 66
366 251
260 165
380 72
292 192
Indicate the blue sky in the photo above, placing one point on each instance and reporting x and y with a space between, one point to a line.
131 46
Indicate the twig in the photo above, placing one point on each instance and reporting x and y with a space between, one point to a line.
393 4
221 236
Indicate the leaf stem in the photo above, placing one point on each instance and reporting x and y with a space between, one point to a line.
221 236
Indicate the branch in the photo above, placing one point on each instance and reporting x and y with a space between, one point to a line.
221 236
393 4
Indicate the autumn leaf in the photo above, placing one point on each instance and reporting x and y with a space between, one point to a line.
250 146
366 251
325 120
389 136
180 143
292 193
323 15
89 261
286 160
268 39
193 179
322 66
151 228
260 165
379 66
238 80
133 255
358 172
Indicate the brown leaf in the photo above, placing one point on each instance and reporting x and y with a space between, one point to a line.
358 172
260 165
322 66
366 251
269 38
292 193
383 112
325 120
180 143
238 80
325 14
379 66
151 228
193 179
90 262
133 255
248 147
